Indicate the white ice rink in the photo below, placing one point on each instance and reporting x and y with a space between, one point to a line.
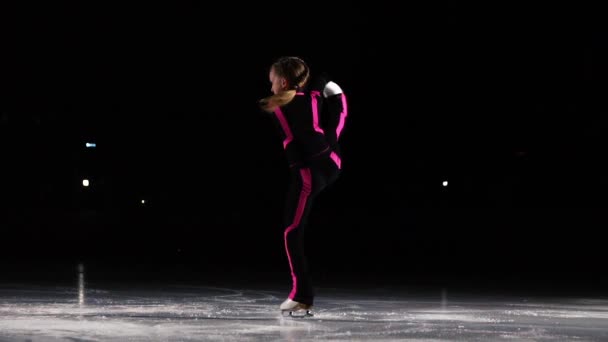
176 312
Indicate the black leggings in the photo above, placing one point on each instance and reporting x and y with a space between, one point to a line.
305 184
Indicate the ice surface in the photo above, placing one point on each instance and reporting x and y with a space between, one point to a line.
206 313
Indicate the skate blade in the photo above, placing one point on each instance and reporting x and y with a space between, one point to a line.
297 314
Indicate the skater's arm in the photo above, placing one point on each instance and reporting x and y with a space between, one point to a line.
336 112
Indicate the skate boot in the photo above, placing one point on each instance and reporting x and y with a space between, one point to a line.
290 308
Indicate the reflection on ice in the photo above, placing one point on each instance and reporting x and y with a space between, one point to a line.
81 284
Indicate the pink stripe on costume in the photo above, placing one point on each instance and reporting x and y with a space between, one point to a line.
342 116
288 136
315 111
305 192
336 159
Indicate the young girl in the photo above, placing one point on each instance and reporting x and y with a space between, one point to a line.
310 115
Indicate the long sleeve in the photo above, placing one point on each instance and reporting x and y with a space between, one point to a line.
335 113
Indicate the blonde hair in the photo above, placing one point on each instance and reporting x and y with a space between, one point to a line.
296 72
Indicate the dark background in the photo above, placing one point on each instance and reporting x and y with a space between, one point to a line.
505 102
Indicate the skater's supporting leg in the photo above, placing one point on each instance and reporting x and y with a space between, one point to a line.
299 202
306 184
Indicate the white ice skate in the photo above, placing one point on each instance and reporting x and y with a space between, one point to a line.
290 308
